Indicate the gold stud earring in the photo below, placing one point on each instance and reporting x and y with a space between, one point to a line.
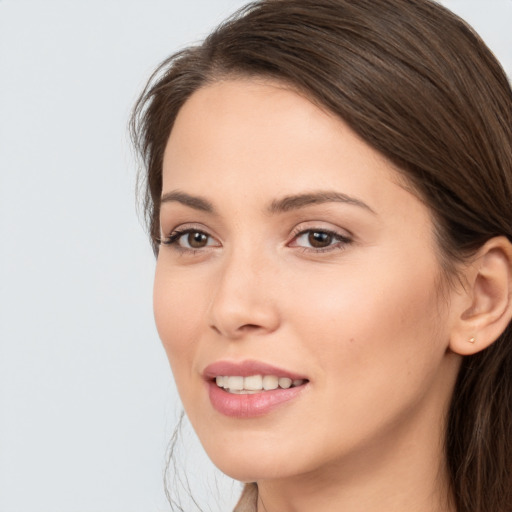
472 339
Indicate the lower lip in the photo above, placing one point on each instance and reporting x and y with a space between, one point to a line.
250 406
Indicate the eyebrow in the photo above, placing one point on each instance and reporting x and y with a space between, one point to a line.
286 204
196 202
298 201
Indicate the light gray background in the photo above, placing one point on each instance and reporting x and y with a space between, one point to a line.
87 403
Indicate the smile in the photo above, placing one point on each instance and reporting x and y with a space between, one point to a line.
250 389
255 383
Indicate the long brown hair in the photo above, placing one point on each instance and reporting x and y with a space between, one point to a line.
419 85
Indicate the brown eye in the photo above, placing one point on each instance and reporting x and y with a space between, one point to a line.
196 240
320 239
190 239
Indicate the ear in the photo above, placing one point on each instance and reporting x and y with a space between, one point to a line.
485 306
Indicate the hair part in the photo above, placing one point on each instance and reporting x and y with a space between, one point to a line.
416 83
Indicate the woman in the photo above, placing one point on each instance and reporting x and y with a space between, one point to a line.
329 190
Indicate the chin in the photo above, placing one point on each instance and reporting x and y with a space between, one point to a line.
248 471
251 462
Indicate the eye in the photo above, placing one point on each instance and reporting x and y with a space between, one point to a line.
190 239
319 240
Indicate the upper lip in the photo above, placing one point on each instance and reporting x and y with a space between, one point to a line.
246 369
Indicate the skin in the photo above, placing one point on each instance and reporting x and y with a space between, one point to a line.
363 317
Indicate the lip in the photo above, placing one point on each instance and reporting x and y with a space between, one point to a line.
251 405
246 369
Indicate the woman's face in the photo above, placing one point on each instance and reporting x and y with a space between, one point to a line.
292 253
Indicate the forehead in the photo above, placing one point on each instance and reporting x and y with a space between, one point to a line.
248 130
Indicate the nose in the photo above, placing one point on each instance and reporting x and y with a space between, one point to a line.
244 300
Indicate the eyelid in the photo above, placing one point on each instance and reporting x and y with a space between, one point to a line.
342 237
321 226
177 232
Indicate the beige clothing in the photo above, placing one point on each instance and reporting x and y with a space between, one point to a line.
249 500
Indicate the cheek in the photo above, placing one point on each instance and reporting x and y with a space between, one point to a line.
372 330
178 313
374 343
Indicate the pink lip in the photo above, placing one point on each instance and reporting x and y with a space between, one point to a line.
254 405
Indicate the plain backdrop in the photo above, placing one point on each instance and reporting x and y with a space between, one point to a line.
87 402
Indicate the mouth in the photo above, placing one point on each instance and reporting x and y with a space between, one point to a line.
251 388
253 384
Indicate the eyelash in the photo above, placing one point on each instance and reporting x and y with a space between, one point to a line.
174 237
341 240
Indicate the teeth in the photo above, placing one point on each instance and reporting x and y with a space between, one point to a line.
236 383
255 383
270 382
285 382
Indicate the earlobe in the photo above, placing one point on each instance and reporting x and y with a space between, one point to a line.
487 306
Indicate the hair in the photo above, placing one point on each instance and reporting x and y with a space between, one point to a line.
419 85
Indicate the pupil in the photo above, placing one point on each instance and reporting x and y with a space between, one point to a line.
197 240
319 239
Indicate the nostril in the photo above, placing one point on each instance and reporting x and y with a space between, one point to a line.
245 328
249 327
